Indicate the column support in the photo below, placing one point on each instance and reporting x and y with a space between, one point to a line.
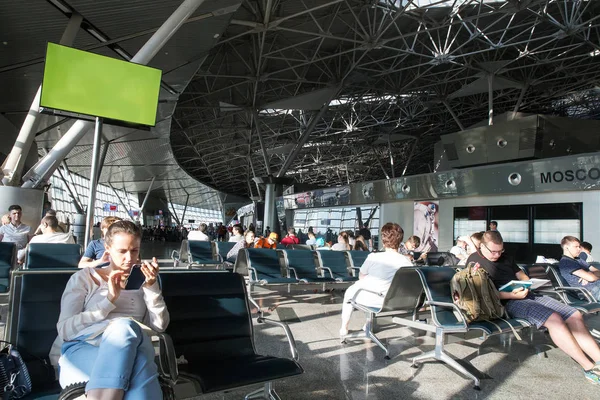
270 211
490 99
93 181
13 165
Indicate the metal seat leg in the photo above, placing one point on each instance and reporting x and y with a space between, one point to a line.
266 392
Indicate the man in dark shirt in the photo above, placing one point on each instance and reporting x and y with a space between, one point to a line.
564 323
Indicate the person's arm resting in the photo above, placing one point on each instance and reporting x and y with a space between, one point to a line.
157 316
583 274
72 318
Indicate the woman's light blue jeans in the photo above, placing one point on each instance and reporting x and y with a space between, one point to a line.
123 360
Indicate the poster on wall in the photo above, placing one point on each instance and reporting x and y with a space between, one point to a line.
426 225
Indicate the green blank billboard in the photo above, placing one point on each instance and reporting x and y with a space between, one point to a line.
85 83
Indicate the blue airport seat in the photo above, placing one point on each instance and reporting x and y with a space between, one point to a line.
355 259
404 295
335 263
302 264
300 247
264 267
202 253
35 308
53 255
211 326
223 248
577 297
447 318
8 254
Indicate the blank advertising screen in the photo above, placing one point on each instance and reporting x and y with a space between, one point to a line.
85 83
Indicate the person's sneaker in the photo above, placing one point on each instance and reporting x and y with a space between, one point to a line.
592 376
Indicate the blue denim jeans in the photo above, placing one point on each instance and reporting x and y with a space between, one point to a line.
123 360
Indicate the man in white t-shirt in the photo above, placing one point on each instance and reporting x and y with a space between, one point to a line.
50 234
199 235
16 232
236 234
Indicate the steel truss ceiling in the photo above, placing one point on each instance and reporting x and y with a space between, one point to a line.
394 75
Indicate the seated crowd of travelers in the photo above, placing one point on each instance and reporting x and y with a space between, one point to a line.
102 329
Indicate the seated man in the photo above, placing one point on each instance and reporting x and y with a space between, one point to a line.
49 213
16 232
376 274
460 250
268 242
50 234
291 237
564 323
586 252
200 235
94 255
236 233
575 271
408 248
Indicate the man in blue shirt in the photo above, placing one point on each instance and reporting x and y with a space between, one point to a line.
94 255
575 271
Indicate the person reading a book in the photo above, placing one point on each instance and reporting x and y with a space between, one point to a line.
576 272
564 323
100 338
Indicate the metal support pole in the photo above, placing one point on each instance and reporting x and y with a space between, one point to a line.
187 199
380 164
73 196
102 159
304 137
174 213
13 165
520 100
147 194
391 156
120 199
412 151
261 141
460 125
490 99
44 168
93 181
270 211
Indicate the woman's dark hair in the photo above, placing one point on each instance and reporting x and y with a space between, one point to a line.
344 236
360 244
126 227
391 235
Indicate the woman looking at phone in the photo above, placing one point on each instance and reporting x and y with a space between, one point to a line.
99 340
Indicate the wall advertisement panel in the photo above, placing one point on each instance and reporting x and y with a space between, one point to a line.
426 225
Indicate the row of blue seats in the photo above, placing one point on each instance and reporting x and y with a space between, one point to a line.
268 267
215 253
39 255
210 325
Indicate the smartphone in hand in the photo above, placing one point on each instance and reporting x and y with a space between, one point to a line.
136 278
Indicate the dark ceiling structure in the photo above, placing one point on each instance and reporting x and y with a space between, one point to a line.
330 92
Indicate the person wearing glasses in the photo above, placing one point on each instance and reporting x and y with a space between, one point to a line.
564 323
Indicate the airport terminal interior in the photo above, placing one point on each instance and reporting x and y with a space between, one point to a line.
271 155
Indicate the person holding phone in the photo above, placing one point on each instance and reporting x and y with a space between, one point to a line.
100 340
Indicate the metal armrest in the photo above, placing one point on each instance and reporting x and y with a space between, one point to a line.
588 295
178 258
294 271
255 304
355 269
288 334
252 271
328 269
353 299
449 305
167 357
